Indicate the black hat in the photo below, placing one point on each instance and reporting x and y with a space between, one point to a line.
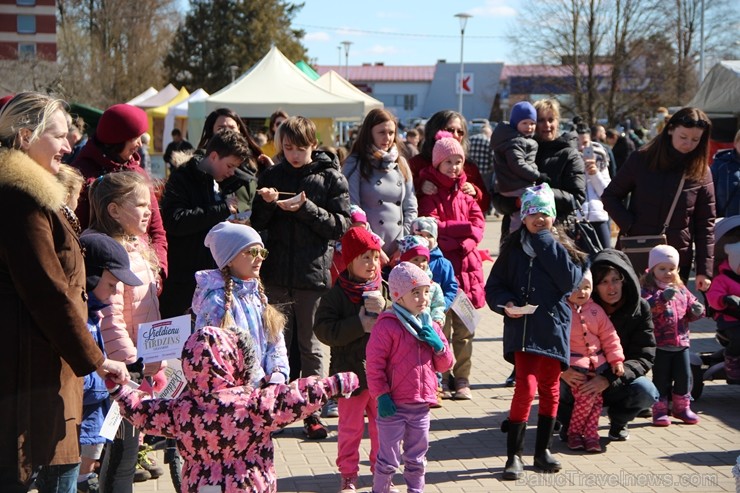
104 253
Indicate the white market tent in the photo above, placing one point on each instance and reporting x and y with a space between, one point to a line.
162 97
274 83
143 96
336 84
719 94
180 112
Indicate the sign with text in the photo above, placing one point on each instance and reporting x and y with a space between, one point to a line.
175 380
164 339
466 311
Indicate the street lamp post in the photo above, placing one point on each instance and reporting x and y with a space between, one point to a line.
346 45
339 60
234 69
463 17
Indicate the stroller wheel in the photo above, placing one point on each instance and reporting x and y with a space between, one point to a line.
697 377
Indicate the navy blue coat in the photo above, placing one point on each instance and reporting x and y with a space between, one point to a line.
726 177
545 281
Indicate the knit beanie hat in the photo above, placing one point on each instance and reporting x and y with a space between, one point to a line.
356 214
445 147
663 253
733 255
404 277
427 224
538 199
227 239
587 276
356 241
522 111
121 122
104 253
412 246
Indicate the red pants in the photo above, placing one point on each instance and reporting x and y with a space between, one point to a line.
586 412
351 427
539 373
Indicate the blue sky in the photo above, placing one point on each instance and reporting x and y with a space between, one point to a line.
408 32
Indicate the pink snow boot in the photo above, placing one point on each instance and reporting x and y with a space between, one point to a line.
660 412
682 409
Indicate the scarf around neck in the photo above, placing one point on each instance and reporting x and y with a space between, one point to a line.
354 289
410 322
384 158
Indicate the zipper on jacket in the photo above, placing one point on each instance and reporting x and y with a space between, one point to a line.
526 301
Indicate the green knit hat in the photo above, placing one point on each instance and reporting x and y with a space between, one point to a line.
538 199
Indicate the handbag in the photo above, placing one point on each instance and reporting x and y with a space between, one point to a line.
638 247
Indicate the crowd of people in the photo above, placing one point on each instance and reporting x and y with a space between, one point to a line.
280 248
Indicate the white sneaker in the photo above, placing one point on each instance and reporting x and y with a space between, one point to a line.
349 484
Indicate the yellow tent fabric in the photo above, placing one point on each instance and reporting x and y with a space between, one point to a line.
156 120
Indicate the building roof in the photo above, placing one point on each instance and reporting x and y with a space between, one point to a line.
382 73
549 70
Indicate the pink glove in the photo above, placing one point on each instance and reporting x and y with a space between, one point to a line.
347 382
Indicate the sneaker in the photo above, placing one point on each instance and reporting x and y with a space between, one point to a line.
446 392
331 409
141 475
393 489
89 485
349 484
462 390
148 463
619 433
575 442
592 445
314 428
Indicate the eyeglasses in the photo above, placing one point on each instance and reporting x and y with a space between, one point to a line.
255 251
687 122
456 131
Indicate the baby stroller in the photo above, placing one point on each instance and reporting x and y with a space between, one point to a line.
708 365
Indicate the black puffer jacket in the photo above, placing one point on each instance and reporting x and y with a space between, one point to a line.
189 210
560 160
300 243
633 320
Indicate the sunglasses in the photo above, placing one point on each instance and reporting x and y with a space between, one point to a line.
255 251
687 122
456 131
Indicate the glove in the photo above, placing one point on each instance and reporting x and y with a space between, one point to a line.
669 293
111 386
732 301
543 179
275 378
386 406
348 382
428 335
697 309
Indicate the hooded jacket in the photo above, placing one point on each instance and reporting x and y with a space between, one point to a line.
95 401
726 283
593 339
514 158
222 424
48 348
560 160
301 242
632 319
443 274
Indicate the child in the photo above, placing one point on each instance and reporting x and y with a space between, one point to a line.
415 249
461 224
724 296
233 294
537 266
514 151
301 231
344 321
222 423
73 182
442 271
594 346
106 264
120 208
673 307
405 343
338 263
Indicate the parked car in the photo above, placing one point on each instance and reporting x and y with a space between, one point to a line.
476 125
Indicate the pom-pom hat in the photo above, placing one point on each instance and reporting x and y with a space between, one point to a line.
404 277
356 241
227 239
538 199
663 254
445 147
121 122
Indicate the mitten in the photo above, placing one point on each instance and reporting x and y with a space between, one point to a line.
348 383
732 301
697 309
427 334
669 293
112 386
386 406
275 378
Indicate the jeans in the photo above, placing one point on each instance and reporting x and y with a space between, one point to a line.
58 479
672 369
119 463
624 401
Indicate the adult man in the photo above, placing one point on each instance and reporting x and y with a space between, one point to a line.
178 144
479 151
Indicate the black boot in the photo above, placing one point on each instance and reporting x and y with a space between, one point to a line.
543 459
514 445
511 380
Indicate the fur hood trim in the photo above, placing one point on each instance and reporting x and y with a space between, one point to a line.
180 158
20 172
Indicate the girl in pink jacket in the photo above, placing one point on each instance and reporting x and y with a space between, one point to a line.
594 346
405 349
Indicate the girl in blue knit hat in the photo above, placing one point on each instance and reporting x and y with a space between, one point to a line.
538 266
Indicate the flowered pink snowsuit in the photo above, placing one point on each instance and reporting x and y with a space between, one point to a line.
221 423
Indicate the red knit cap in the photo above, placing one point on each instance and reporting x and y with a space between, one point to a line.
356 241
121 122
5 99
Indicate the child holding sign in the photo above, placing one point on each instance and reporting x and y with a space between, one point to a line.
233 295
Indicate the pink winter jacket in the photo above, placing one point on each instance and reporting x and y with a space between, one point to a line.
130 306
400 364
461 223
593 338
725 283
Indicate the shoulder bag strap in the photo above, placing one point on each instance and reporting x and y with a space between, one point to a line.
673 205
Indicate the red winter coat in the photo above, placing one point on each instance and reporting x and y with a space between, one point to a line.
461 224
419 163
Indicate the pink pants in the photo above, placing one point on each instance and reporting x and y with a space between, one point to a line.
586 412
539 373
351 429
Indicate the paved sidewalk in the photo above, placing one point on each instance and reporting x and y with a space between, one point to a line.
467 450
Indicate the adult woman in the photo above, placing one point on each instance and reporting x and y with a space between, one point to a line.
726 177
596 162
43 310
114 147
380 181
558 158
617 291
652 176
455 123
276 119
244 182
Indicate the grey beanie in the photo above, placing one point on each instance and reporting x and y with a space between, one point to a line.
227 239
